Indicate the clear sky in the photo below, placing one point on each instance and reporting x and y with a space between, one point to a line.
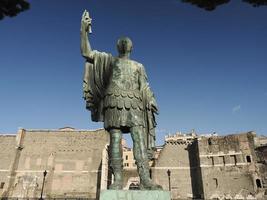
207 69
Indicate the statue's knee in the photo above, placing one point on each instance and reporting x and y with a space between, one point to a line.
114 131
138 136
115 135
137 129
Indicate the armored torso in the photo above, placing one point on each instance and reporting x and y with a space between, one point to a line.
123 105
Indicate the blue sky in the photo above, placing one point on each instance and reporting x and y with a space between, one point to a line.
207 69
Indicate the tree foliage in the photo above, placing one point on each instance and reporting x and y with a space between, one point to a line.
210 5
206 4
256 3
11 8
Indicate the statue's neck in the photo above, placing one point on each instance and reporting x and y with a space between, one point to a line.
124 56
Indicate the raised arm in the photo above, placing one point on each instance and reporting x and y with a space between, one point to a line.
86 50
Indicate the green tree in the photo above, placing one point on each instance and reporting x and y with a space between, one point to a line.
210 5
11 8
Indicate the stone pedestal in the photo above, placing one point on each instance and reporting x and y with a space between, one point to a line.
135 195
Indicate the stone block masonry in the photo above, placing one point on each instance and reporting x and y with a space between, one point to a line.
72 158
200 166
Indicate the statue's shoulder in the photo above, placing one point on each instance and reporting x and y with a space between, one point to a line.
140 67
100 53
137 64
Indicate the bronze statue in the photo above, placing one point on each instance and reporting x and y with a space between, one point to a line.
117 93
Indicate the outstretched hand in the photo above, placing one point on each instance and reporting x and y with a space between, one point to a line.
86 22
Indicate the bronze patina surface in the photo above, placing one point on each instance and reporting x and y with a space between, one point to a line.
117 93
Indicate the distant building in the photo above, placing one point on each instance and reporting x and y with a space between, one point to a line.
128 158
74 160
212 167
200 166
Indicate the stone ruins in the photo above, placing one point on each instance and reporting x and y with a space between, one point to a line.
77 165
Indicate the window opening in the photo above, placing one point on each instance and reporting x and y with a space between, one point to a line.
248 159
209 141
233 159
258 183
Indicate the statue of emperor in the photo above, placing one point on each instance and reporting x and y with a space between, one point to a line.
117 93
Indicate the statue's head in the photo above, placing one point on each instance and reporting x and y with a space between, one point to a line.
124 45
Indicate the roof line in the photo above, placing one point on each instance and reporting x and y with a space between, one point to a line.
61 130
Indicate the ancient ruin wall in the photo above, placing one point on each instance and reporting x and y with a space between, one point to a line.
174 157
7 153
71 158
227 166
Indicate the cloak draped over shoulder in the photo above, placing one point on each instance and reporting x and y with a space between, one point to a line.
95 82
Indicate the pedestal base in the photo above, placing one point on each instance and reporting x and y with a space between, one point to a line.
135 195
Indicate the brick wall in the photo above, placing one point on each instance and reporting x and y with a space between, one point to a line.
72 159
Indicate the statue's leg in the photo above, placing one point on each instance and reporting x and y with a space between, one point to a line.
116 158
140 155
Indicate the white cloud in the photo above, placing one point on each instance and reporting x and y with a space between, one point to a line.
236 108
